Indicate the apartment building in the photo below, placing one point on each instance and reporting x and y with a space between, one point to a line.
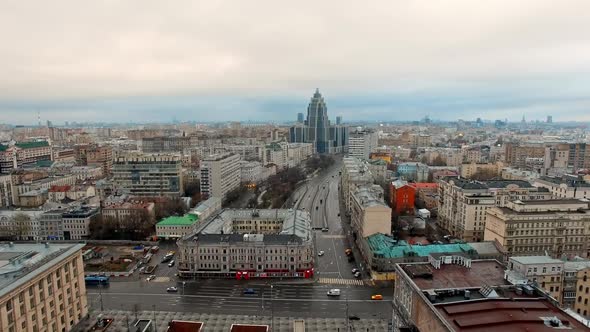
140 174
165 144
76 222
516 154
566 186
246 244
370 215
220 174
101 156
463 203
22 154
469 170
354 174
567 281
42 287
6 197
361 143
128 207
529 228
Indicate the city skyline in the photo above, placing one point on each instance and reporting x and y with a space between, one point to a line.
495 60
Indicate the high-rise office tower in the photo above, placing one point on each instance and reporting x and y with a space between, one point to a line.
300 117
317 129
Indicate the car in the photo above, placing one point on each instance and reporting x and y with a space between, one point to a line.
325 229
321 253
321 201
334 292
377 297
249 291
357 275
141 269
172 289
355 270
150 278
171 264
353 318
303 208
316 207
339 214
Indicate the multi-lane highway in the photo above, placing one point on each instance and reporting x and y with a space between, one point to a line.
226 296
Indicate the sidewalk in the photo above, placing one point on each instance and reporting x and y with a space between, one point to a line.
222 323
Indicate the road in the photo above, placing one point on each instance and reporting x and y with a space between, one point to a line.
226 296
320 196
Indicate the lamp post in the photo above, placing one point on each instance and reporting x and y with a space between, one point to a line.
183 284
272 317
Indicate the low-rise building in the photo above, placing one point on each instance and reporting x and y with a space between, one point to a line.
556 227
42 287
176 227
567 186
247 244
76 222
127 208
207 208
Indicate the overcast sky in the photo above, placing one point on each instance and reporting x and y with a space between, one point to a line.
261 60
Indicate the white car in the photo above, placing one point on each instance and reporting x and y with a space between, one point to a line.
172 289
321 253
355 271
150 278
334 292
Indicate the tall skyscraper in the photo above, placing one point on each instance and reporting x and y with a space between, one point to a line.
317 129
300 117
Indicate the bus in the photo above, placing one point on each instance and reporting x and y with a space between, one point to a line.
96 280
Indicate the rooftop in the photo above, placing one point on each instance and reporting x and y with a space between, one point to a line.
293 222
20 263
384 246
186 220
535 260
31 145
506 315
452 276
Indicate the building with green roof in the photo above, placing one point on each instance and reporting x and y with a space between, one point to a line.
382 252
176 226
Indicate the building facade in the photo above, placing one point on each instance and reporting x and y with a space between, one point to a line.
247 244
556 227
148 174
220 174
49 297
361 143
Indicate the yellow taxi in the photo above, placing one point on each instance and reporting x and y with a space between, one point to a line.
377 297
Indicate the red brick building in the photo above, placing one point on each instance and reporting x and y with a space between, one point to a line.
402 196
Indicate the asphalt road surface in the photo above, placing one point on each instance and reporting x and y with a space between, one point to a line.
227 297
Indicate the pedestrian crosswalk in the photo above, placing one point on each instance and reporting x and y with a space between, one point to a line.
339 281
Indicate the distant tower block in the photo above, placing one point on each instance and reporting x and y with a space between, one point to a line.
339 120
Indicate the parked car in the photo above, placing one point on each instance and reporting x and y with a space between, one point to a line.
355 270
172 289
334 292
150 278
357 275
171 264
325 229
321 253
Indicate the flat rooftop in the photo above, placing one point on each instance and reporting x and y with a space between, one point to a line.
506 315
186 220
22 262
482 272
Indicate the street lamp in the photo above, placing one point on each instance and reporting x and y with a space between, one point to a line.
183 284
272 317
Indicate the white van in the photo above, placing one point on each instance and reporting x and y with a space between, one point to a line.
334 292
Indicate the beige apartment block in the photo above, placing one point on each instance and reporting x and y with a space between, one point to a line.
529 228
51 296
